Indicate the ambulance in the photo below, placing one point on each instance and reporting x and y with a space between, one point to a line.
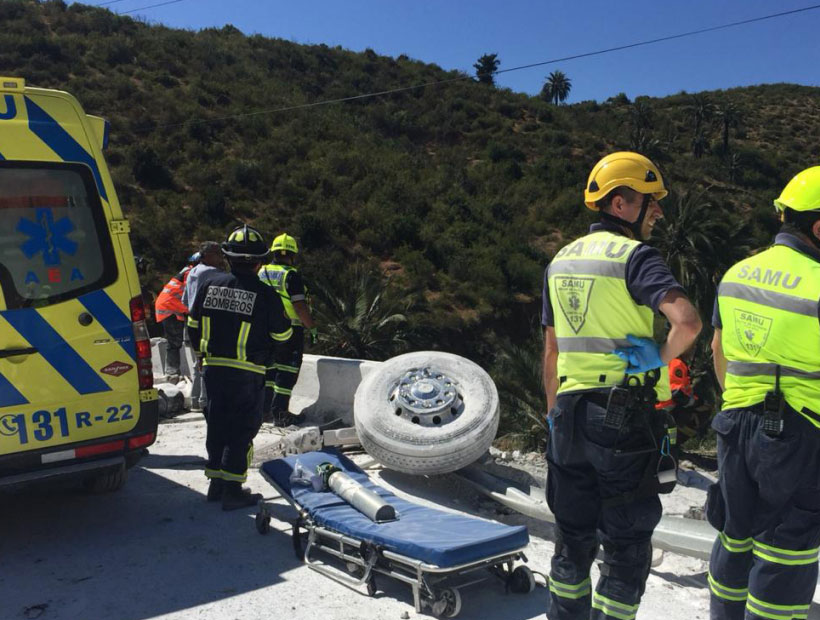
76 386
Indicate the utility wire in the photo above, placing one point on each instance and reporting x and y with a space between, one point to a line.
467 77
143 8
662 39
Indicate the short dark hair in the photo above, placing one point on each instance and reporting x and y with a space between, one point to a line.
627 193
209 247
802 221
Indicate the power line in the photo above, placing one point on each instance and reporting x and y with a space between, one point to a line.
143 8
467 77
662 39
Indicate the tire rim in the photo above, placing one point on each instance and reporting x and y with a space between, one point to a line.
427 397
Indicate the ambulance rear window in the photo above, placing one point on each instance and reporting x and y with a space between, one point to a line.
54 241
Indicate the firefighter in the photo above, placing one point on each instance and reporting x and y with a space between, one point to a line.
170 313
284 277
234 322
602 370
766 505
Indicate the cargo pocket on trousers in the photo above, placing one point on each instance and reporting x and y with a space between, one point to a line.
715 507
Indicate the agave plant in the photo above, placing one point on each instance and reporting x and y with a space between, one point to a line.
361 315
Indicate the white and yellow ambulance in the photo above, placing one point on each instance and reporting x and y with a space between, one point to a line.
76 387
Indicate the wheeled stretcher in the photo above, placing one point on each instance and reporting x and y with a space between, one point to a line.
436 552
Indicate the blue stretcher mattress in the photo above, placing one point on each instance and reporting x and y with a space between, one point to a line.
436 537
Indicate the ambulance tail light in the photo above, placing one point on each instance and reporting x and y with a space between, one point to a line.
141 441
100 448
145 370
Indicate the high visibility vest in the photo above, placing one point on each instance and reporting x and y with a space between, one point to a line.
594 312
768 310
277 276
169 301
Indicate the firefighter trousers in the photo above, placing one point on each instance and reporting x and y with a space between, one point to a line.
588 487
235 400
282 374
766 508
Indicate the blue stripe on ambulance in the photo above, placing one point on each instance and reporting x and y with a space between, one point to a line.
113 320
11 109
9 396
56 351
60 141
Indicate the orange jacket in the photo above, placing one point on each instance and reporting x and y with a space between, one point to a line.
169 301
679 382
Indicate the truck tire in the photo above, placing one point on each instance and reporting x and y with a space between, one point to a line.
426 412
107 481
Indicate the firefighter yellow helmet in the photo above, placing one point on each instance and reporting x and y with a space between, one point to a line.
284 243
623 169
802 193
245 243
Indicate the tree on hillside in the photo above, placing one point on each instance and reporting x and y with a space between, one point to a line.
361 316
701 109
699 241
556 88
700 145
641 122
517 374
486 68
729 116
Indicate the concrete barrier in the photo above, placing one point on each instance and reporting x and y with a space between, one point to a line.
326 387
323 392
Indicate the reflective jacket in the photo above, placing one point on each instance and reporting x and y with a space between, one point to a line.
235 321
768 307
276 275
169 301
594 312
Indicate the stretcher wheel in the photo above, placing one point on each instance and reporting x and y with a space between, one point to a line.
262 522
522 581
426 412
447 604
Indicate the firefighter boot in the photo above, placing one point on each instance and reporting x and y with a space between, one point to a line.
234 496
215 489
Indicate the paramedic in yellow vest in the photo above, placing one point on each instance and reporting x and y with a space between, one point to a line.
766 505
600 295
281 376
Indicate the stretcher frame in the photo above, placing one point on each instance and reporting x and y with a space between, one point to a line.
434 586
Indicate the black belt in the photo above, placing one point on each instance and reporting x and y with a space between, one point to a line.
601 399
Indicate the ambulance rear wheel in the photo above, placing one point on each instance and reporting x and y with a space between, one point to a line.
426 412
106 482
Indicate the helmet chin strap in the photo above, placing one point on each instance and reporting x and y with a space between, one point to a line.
633 227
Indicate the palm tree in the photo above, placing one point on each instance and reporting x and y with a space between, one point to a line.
556 88
729 116
700 144
517 375
641 121
702 110
486 68
362 316
700 241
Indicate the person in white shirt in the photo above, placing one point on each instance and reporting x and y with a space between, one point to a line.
210 259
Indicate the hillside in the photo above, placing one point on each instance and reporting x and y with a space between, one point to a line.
459 192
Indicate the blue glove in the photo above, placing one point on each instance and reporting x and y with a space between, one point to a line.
643 356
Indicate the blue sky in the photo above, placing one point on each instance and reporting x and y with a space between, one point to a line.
453 34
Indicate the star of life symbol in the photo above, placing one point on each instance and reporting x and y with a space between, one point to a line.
573 298
752 330
47 236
